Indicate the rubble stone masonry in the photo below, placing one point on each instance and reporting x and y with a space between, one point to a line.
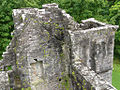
50 51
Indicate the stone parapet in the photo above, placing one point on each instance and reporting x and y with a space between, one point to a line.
85 79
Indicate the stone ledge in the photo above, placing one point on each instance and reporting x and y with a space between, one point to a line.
90 78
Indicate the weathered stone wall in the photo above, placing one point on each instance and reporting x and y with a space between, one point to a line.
39 55
4 81
47 42
85 79
93 45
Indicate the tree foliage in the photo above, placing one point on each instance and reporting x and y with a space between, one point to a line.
115 19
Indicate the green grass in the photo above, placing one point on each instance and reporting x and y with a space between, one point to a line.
116 74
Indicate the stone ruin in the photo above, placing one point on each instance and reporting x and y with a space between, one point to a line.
50 51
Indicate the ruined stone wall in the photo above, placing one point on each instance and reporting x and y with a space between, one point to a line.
94 45
39 41
85 79
4 81
47 42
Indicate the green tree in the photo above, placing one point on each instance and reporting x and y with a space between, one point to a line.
115 19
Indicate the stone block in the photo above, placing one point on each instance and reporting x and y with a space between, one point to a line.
106 76
4 81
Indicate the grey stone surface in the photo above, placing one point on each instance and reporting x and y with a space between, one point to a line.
86 79
4 81
94 46
47 42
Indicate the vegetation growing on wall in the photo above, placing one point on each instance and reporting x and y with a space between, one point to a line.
107 11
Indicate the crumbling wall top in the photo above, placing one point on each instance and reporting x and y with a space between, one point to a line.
52 5
92 23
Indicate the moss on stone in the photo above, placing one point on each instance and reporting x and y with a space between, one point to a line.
14 49
9 67
17 62
66 82
29 88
